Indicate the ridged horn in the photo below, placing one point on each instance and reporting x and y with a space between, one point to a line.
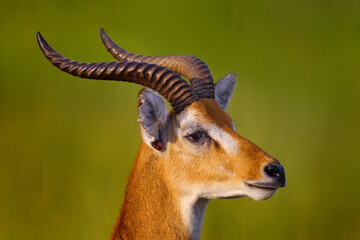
190 67
162 80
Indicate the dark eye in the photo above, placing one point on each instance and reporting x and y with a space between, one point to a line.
195 137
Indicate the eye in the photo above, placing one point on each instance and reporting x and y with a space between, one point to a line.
195 137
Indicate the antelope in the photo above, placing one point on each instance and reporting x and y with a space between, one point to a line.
187 155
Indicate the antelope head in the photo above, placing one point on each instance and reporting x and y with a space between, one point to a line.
200 154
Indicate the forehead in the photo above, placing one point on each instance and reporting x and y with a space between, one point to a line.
205 111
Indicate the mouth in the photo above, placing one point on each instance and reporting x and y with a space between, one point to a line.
263 189
266 185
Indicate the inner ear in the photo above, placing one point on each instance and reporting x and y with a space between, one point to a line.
224 89
153 118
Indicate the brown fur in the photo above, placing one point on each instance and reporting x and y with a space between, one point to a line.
247 165
151 207
149 210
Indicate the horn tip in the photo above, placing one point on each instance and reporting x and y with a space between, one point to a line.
41 41
44 46
103 34
39 37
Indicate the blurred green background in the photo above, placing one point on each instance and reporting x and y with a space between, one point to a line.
67 144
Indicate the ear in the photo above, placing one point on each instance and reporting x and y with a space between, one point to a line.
153 118
224 89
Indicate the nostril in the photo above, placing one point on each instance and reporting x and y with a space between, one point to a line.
273 171
276 172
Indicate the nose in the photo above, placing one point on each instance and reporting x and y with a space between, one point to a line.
277 173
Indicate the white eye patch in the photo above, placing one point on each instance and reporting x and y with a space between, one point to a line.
230 145
191 122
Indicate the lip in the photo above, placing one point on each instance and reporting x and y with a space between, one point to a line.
263 184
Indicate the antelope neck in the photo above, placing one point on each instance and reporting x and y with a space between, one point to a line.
151 209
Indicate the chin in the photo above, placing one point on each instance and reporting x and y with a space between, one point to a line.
259 194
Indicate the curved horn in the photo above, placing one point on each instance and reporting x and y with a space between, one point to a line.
190 67
167 83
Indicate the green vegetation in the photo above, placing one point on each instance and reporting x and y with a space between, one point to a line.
67 144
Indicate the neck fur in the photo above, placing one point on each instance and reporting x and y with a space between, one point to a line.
152 209
192 210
